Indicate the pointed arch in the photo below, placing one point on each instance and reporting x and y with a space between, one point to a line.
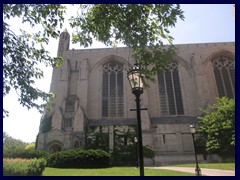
225 53
54 146
223 68
105 59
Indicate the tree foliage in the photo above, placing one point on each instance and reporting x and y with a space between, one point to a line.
142 27
15 148
23 53
45 123
10 143
217 125
30 146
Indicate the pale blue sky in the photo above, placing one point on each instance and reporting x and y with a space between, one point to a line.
202 24
206 23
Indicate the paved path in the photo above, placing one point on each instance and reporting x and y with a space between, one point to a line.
206 172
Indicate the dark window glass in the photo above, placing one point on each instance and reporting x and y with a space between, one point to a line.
70 106
178 93
170 91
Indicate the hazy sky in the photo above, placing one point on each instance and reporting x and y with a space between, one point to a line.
203 23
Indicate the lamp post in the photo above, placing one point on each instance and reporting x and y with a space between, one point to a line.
135 79
193 130
136 141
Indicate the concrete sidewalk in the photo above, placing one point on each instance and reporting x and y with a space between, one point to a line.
206 172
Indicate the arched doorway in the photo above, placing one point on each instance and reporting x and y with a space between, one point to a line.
55 148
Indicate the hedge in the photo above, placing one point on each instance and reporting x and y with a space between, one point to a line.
79 158
23 167
24 153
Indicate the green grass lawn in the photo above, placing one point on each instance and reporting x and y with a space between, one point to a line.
114 171
222 166
132 171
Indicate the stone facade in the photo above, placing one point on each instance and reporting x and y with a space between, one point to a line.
78 86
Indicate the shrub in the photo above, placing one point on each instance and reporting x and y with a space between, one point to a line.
128 155
36 167
15 167
24 153
79 158
123 159
23 167
148 152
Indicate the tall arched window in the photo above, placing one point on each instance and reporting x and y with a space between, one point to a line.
224 72
112 90
170 91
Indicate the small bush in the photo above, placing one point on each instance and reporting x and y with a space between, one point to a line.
124 159
79 158
148 152
23 167
128 155
36 167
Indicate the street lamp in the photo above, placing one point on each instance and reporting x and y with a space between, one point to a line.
193 131
135 141
135 79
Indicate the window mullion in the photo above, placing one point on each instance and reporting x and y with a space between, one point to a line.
174 98
224 86
108 93
230 79
166 93
116 95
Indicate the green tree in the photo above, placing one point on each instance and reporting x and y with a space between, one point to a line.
30 146
23 53
217 125
45 123
142 27
10 143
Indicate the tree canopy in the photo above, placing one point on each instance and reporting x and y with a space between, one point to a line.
217 125
142 27
10 143
23 53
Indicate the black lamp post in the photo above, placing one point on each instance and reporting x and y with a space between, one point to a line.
136 141
135 79
193 130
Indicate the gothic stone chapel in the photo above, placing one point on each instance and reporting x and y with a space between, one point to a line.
93 101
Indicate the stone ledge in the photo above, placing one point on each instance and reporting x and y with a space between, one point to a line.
108 122
174 120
